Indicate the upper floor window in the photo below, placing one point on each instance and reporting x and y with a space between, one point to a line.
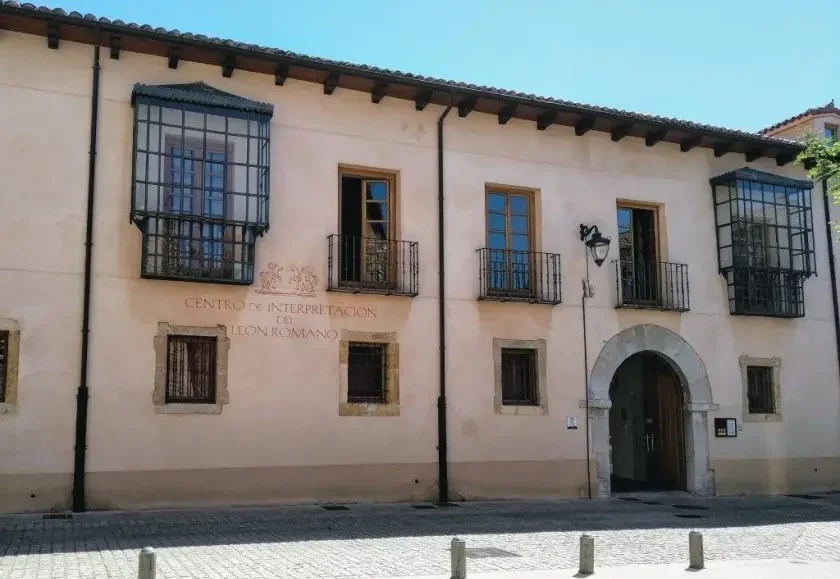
765 241
4 362
200 181
830 132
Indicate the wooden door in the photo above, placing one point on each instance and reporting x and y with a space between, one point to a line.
669 430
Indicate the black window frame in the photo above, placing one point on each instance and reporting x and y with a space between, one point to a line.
764 401
367 361
204 368
185 137
519 364
764 226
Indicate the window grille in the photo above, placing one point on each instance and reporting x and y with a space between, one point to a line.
4 363
765 239
200 182
191 369
760 394
519 377
366 366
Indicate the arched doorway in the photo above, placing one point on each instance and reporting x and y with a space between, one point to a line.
647 436
686 365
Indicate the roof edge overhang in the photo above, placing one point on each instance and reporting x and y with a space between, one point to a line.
750 174
57 25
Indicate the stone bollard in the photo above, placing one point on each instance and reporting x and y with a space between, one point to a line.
587 555
147 564
459 558
695 550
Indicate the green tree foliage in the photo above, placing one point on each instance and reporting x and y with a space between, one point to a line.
821 158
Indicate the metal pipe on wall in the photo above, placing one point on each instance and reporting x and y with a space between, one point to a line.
80 449
831 267
443 466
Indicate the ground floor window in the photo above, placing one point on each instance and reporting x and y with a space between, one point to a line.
761 389
519 376
190 369
369 374
9 355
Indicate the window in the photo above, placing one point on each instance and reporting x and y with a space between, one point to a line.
509 243
369 369
366 373
190 369
638 255
761 391
765 241
4 362
830 132
520 376
201 181
9 358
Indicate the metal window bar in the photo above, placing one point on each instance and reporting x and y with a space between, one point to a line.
652 285
760 390
366 367
519 377
523 276
765 245
200 174
372 265
191 369
4 362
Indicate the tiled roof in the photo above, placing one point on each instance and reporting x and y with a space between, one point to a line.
202 94
825 109
406 78
750 174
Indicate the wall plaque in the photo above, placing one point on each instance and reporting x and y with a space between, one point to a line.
726 428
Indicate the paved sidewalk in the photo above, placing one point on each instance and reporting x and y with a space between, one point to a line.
399 541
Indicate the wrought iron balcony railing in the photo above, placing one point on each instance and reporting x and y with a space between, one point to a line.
519 276
656 285
372 265
758 291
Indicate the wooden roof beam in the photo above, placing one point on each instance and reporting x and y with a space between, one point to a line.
753 154
689 143
783 159
722 148
620 132
584 125
172 55
380 90
422 99
53 35
466 106
116 45
281 73
228 65
546 119
506 113
655 136
331 82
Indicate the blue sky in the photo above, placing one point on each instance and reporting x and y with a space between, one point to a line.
737 63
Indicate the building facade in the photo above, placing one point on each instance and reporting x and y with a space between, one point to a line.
265 306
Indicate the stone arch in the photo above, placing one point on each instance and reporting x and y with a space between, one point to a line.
689 368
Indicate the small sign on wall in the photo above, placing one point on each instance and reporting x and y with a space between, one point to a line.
571 423
726 428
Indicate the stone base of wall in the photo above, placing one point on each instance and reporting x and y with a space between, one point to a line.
519 480
35 492
776 476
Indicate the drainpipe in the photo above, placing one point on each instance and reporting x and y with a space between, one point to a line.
82 394
443 466
831 269
583 295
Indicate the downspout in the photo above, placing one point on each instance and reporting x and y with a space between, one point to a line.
583 296
443 466
831 268
82 394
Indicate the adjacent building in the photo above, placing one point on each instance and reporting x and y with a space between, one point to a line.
236 275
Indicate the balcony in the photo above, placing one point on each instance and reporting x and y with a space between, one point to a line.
756 291
652 285
518 276
372 265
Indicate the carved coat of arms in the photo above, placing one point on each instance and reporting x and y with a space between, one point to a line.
299 281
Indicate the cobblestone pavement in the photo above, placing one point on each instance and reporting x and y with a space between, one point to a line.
398 540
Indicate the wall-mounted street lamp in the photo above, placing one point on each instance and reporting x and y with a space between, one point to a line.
599 247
